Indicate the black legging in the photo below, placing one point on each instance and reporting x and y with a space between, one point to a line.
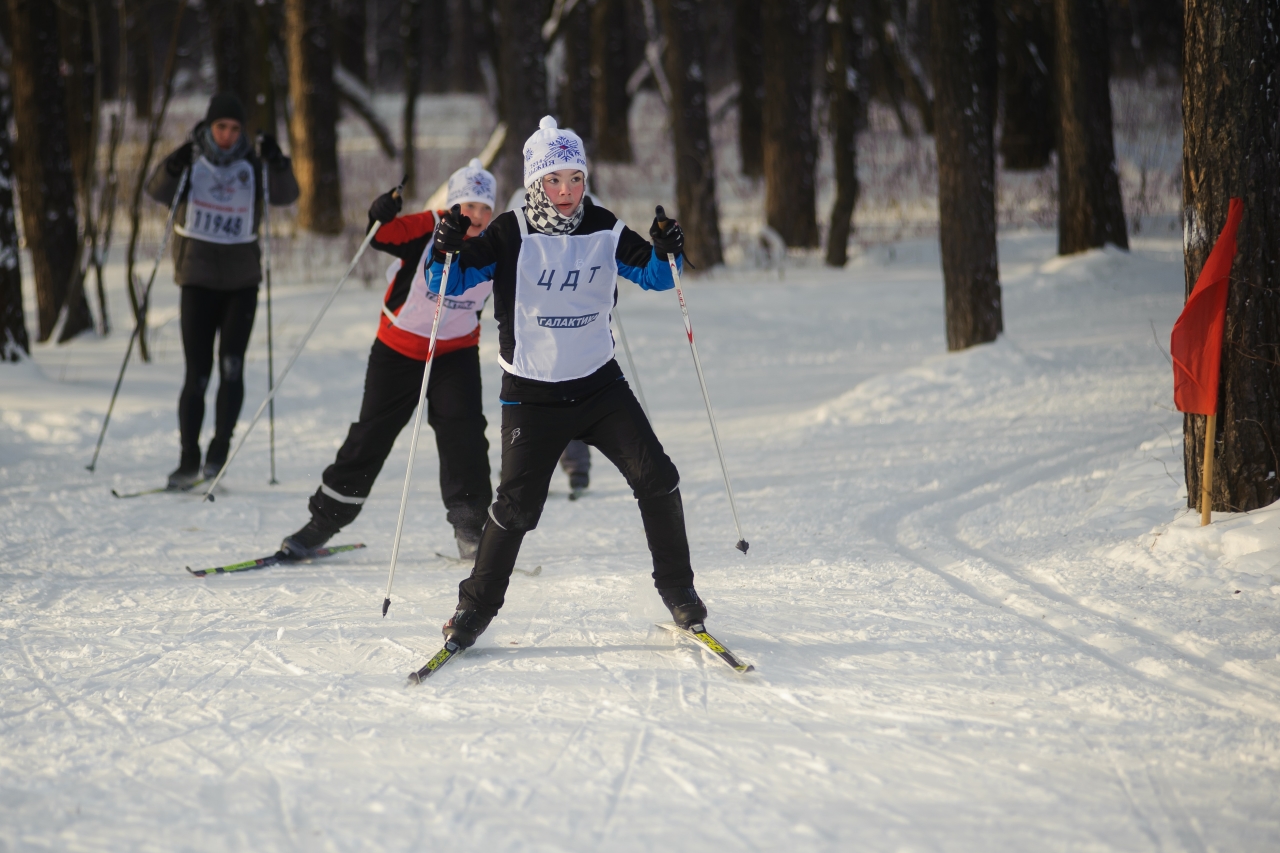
228 314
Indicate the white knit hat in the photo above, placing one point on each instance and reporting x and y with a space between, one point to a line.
471 183
551 149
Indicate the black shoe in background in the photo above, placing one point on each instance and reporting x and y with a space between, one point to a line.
187 474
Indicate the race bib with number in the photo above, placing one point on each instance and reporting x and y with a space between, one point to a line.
220 204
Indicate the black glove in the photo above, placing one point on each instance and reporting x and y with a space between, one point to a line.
450 233
385 207
180 159
269 149
667 237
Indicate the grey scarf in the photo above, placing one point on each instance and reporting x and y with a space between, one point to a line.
544 217
217 156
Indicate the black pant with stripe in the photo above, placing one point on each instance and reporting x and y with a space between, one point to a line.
533 438
392 383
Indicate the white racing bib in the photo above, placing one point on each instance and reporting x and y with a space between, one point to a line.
564 298
457 320
220 203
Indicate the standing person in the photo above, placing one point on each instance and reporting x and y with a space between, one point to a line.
217 262
393 379
554 266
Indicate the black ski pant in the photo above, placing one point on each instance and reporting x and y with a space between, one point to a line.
392 383
533 437
206 313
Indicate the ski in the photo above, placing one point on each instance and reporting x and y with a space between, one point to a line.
698 633
275 559
157 491
470 561
448 653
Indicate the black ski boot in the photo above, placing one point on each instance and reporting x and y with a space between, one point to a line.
305 542
468 539
686 607
465 626
578 483
216 456
187 474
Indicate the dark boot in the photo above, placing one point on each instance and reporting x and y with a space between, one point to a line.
187 474
305 542
686 607
465 626
216 456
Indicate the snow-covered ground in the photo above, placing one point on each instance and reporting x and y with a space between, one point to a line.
981 615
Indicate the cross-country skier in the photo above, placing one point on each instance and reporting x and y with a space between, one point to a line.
217 263
554 266
393 379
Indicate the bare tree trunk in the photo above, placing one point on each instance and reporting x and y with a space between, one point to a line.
610 102
138 37
14 341
1090 211
790 145
844 85
1231 147
1026 83
695 161
351 23
313 124
749 55
523 83
265 26
964 62
573 105
229 26
411 14
46 173
464 52
433 50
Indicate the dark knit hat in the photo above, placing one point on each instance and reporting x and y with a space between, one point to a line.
224 105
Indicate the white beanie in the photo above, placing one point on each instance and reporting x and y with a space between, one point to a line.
551 149
471 183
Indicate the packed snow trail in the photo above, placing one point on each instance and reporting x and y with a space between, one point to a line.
980 615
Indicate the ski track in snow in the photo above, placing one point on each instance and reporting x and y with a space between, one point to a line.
980 616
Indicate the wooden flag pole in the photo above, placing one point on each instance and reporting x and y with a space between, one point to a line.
1206 476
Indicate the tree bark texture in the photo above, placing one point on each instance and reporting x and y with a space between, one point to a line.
351 24
964 85
265 26
229 27
748 43
610 103
313 124
1090 211
1026 83
46 173
412 14
522 70
790 144
695 160
14 341
573 102
464 48
141 64
844 85
1231 147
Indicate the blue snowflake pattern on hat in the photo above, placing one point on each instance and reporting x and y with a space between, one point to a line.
565 149
528 153
481 184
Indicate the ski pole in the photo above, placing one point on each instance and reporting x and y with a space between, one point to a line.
142 312
631 365
706 398
271 370
417 428
333 294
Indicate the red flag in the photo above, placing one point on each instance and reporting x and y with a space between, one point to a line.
1196 343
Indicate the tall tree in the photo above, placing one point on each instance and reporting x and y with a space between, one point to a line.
610 103
14 341
46 173
265 25
749 55
464 48
412 15
964 85
685 60
1026 84
350 26
1090 211
1231 147
573 102
313 132
140 59
845 88
229 25
522 76
790 145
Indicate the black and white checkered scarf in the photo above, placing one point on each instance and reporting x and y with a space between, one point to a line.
542 214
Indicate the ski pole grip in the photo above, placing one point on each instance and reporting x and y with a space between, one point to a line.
662 217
